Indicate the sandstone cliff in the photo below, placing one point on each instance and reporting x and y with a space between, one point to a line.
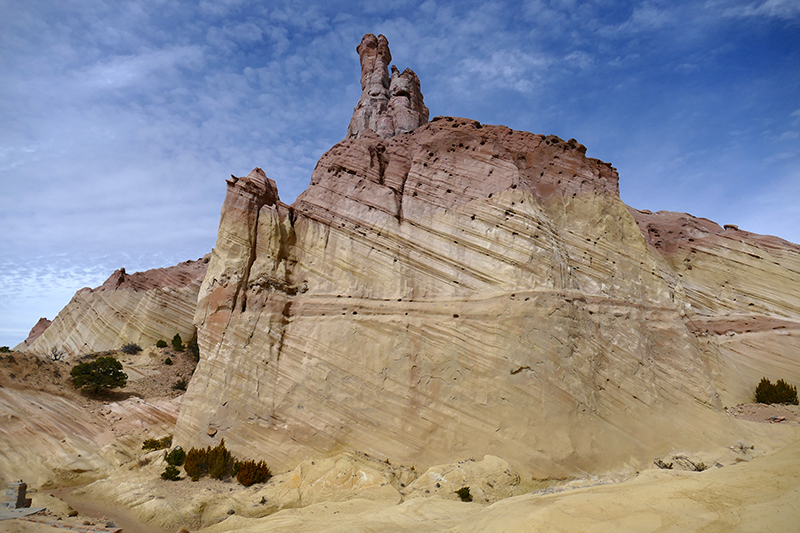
142 307
742 297
459 290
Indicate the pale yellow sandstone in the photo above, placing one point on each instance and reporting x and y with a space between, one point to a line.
141 308
458 291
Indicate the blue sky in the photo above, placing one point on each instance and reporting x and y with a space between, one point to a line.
122 119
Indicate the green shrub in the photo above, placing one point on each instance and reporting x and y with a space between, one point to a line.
171 473
104 373
175 457
177 343
780 392
464 494
167 361
249 472
130 348
5 349
157 444
161 344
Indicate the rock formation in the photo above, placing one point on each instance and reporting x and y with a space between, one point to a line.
142 307
37 330
460 290
742 296
389 105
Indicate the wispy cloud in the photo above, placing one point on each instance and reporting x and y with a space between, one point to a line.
781 9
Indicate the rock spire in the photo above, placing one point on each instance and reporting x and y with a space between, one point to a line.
389 105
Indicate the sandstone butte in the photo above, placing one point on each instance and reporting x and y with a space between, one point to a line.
464 289
446 290
142 307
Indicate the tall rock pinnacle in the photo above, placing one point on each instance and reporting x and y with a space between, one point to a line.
388 105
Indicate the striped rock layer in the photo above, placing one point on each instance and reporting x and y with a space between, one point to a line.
464 290
142 308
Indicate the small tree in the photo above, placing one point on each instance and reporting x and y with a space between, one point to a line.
177 343
464 494
104 373
220 461
780 392
175 457
196 463
56 354
161 343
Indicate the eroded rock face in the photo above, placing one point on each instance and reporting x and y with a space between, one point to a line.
142 307
48 439
457 291
389 105
742 297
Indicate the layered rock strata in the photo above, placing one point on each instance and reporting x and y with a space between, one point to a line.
142 307
460 290
389 105
742 296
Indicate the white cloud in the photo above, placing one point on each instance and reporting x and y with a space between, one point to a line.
146 67
782 9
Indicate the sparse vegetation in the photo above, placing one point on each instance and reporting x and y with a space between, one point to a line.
249 472
196 463
181 384
56 354
219 463
161 343
102 374
171 473
167 361
177 343
5 349
780 392
464 494
130 348
157 444
176 457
